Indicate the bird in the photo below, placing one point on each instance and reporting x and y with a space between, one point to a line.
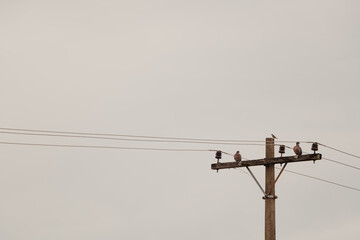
297 149
273 136
237 156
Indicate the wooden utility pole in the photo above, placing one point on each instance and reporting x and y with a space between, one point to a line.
270 198
269 193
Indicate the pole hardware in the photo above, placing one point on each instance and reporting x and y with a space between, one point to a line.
257 182
282 149
270 197
315 147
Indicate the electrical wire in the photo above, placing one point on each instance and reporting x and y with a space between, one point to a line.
323 180
183 140
338 150
344 164
150 140
130 139
142 136
131 136
227 153
155 149
106 147
135 138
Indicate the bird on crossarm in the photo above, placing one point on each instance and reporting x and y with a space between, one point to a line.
237 156
297 149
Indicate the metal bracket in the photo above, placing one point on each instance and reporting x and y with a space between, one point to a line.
270 197
277 178
256 181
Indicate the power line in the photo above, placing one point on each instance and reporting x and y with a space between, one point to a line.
323 180
135 138
130 139
187 140
146 140
159 149
107 147
127 135
344 164
338 150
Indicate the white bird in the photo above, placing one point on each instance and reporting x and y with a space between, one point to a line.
237 156
273 136
297 149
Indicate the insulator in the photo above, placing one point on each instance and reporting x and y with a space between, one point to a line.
315 147
218 155
282 149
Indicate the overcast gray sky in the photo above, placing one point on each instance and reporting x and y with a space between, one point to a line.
191 69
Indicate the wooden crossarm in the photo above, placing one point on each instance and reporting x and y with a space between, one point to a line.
266 161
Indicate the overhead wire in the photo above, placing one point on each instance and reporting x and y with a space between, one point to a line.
338 150
157 139
127 135
106 147
186 140
232 141
177 139
144 136
344 164
131 139
323 180
47 133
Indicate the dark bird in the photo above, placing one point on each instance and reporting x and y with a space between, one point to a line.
297 149
237 156
273 136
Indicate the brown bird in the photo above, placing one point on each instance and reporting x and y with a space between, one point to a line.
237 156
273 136
297 149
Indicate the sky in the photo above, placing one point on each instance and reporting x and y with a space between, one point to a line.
189 69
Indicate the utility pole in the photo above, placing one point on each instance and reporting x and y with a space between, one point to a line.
269 162
270 198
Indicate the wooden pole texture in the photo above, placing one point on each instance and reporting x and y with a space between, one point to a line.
270 233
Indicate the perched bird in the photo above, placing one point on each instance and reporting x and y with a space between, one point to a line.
297 149
273 136
237 156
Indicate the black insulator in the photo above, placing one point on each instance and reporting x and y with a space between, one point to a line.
282 149
315 147
218 155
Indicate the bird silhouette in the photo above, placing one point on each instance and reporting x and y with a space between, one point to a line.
297 149
237 156
273 136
